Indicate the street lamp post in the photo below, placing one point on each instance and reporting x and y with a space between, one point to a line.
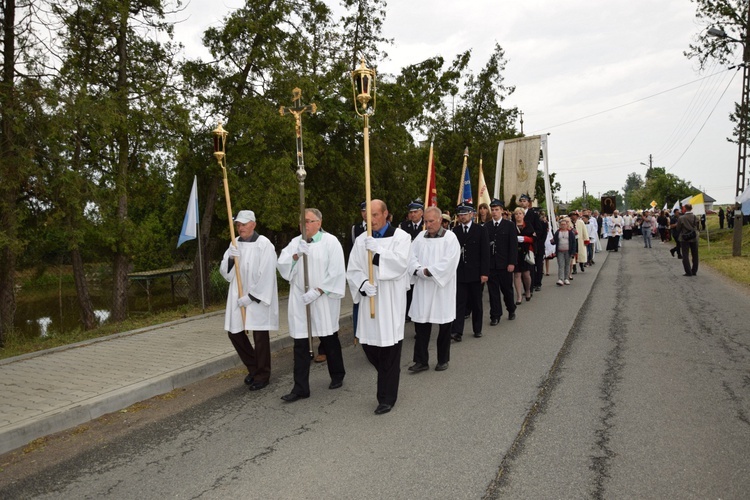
742 126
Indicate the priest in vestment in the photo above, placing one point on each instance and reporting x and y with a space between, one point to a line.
432 267
327 285
382 336
257 263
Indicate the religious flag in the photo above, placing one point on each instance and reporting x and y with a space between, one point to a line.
699 207
466 193
677 205
431 191
665 206
484 194
190 223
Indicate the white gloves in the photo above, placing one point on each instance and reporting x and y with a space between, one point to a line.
520 239
370 289
234 251
310 296
303 248
371 244
244 301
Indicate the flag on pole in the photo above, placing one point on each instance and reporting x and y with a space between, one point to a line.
676 205
431 194
665 206
484 194
189 224
466 193
699 207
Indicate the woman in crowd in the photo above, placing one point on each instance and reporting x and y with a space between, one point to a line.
663 224
483 214
647 226
564 240
522 272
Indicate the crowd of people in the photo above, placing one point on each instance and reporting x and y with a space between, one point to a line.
430 270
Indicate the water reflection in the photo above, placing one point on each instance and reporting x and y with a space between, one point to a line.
45 311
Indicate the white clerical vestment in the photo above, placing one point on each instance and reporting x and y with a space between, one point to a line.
434 297
390 276
593 228
583 235
326 270
258 273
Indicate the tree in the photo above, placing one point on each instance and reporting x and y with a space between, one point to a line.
19 110
633 184
733 17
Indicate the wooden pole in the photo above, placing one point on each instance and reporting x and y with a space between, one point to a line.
368 201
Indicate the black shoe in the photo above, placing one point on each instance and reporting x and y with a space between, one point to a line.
383 408
335 384
512 316
256 386
455 337
687 274
695 273
477 334
582 269
494 321
538 288
528 298
518 302
575 270
441 367
672 250
292 397
248 380
418 367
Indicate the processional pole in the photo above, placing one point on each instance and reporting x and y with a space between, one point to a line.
220 144
297 112
364 88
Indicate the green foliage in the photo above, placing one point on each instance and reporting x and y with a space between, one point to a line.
590 201
659 186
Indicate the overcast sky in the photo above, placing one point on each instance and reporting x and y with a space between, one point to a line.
608 80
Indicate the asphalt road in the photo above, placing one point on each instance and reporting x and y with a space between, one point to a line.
633 382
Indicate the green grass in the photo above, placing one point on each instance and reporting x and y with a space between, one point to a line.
718 252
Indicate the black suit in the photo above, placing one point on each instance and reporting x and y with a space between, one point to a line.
503 252
532 219
473 264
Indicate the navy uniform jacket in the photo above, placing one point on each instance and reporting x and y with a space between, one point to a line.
475 253
503 244
533 220
408 226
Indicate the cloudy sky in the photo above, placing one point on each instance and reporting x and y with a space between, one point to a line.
608 80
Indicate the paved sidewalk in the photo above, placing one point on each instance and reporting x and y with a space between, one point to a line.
49 391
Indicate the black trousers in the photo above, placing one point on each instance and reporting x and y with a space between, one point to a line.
500 281
677 244
409 293
257 360
422 342
468 298
537 273
334 359
387 361
690 248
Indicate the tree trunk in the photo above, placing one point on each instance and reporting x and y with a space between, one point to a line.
9 173
121 258
88 319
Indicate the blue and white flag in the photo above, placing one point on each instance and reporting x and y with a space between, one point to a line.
189 225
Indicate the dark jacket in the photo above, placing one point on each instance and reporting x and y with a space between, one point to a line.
503 247
408 226
687 222
539 228
572 241
475 253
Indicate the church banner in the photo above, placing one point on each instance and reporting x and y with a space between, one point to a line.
521 162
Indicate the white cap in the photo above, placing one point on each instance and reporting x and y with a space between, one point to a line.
245 216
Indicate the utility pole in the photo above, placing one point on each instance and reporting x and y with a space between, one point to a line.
585 203
521 113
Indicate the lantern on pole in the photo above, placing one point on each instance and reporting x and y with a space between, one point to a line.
363 89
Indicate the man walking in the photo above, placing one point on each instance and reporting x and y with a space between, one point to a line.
434 257
502 237
327 285
256 258
687 226
381 333
473 270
